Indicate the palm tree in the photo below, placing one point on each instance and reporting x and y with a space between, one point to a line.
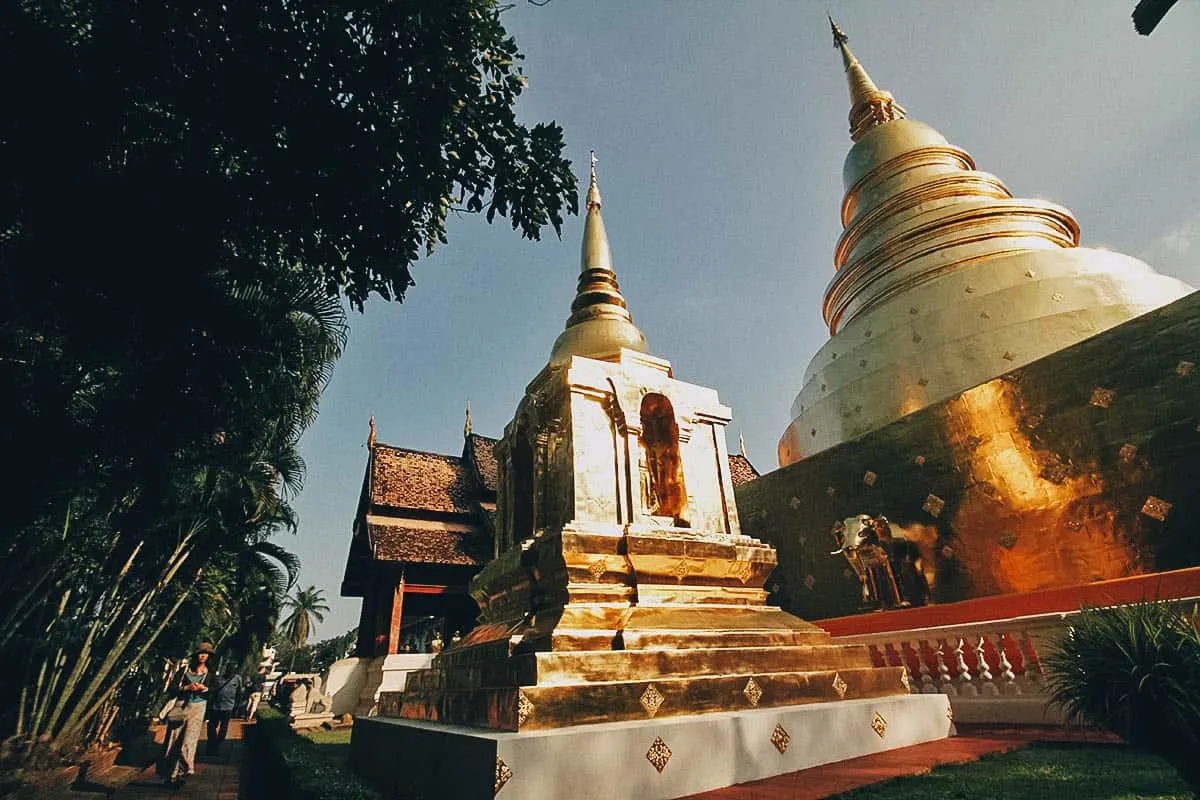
305 606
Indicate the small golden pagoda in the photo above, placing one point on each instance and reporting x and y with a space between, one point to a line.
944 280
623 587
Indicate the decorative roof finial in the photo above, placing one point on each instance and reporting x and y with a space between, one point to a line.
593 195
869 105
742 439
467 423
839 38
371 434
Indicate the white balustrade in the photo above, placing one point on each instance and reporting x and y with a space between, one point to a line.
1009 688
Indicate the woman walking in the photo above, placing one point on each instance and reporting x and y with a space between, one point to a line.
186 720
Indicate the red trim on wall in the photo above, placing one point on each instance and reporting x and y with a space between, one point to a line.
428 588
1174 585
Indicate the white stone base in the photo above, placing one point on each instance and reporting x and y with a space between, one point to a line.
600 762
386 674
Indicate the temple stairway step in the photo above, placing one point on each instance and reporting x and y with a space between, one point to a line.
538 707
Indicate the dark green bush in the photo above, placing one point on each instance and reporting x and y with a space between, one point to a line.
1135 670
281 763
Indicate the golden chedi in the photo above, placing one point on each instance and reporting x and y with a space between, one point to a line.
944 280
623 588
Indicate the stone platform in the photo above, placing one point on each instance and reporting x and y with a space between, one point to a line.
653 759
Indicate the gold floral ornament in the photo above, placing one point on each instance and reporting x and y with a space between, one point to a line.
524 709
652 700
879 724
839 685
933 505
869 478
781 739
658 754
597 569
1156 508
1127 452
1184 368
753 692
503 775
1101 397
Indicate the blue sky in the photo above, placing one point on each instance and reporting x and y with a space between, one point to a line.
721 129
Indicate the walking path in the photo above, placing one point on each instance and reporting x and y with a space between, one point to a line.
134 777
972 743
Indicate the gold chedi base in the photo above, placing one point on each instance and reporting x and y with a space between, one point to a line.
656 622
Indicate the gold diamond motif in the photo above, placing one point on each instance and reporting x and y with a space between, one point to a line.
740 570
1184 368
1127 452
869 478
781 739
524 709
658 754
652 700
933 505
949 712
1156 508
682 568
1101 397
879 724
597 569
753 692
503 774
839 685
1057 297
905 681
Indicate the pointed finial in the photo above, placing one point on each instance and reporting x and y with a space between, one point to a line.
467 423
371 433
869 105
742 439
839 38
593 195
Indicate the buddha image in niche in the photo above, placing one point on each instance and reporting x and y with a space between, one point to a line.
662 488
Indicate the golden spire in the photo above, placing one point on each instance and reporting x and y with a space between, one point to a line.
600 325
869 105
371 433
595 251
467 423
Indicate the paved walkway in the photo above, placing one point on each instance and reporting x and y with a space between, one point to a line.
829 779
216 778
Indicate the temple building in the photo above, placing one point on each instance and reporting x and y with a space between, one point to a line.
1021 411
424 526
626 611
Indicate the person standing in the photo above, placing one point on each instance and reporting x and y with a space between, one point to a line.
187 719
227 687
256 690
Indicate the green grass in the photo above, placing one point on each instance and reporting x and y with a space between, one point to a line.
309 765
1058 771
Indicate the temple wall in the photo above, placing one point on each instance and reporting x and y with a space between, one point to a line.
592 480
1078 467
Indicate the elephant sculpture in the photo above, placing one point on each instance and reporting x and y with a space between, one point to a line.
887 564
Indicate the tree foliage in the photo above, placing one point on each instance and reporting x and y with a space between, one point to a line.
191 192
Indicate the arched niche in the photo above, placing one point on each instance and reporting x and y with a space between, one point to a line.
521 486
663 490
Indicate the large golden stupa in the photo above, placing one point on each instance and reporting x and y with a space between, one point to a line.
944 280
